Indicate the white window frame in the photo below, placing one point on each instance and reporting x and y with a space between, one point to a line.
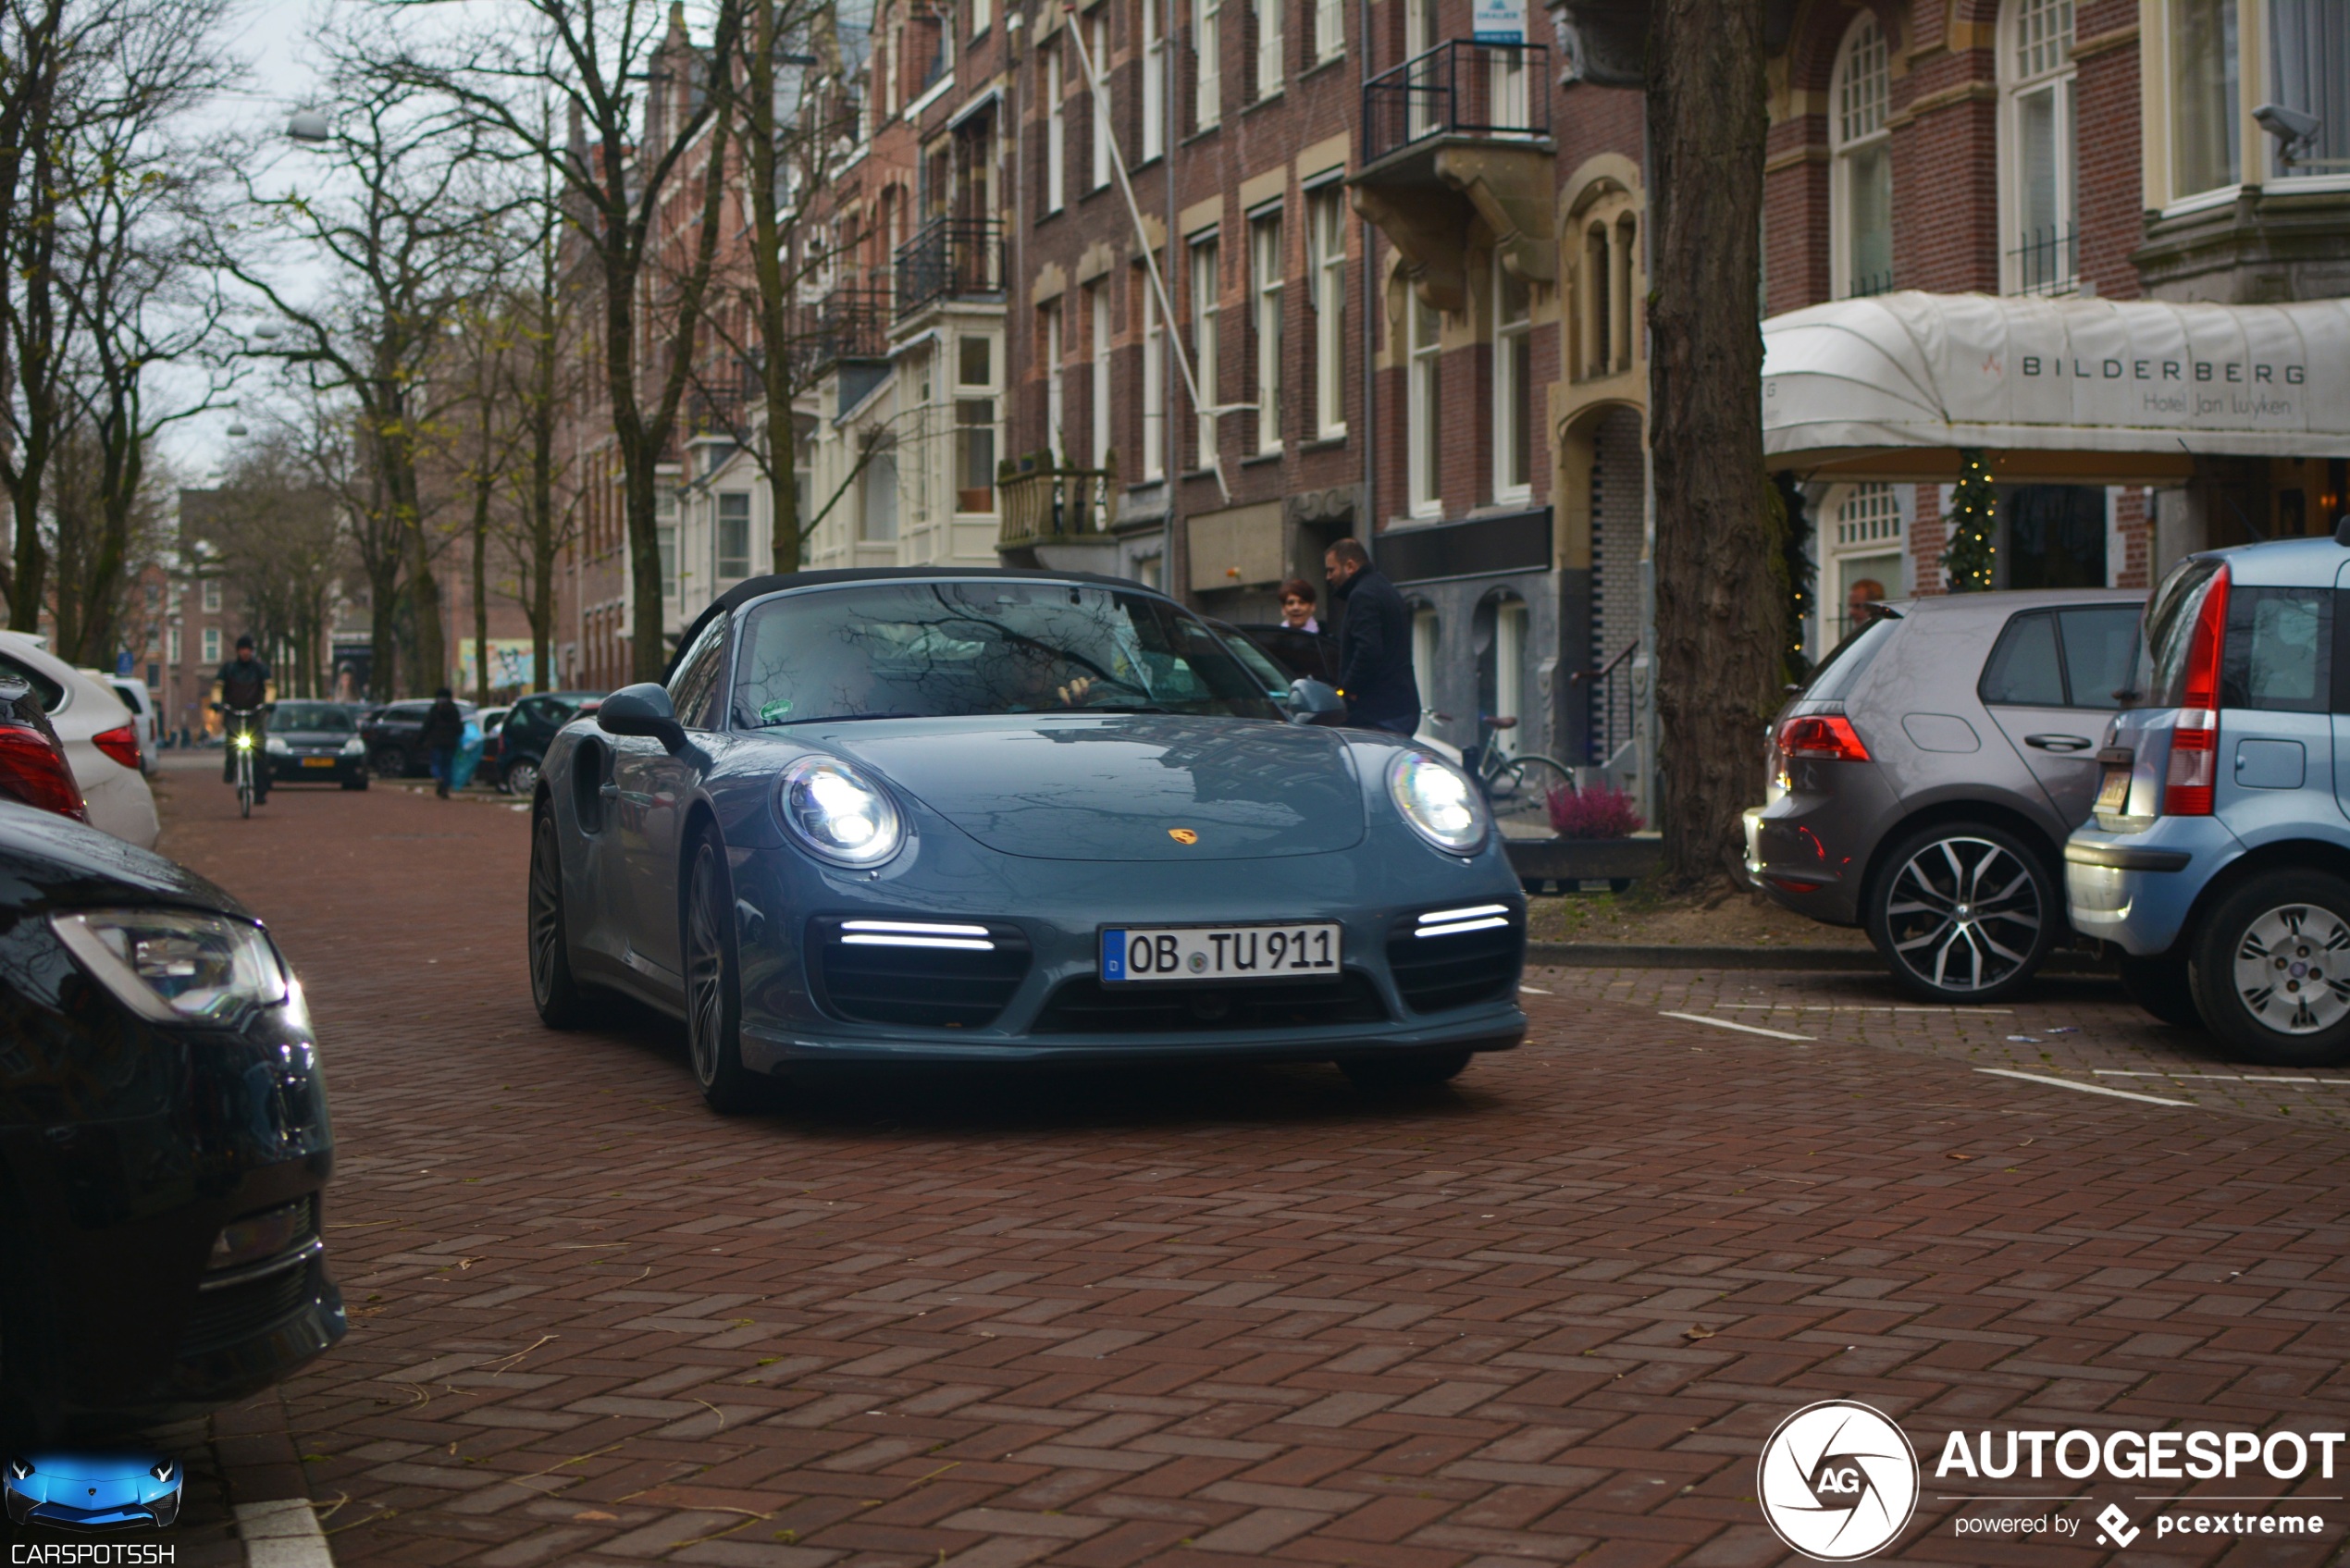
1154 385
212 646
1329 29
1207 42
1097 349
1512 620
1098 105
1428 640
1513 391
1326 229
1207 314
1153 80
1268 48
1860 103
1265 280
1056 396
212 596
171 646
724 566
983 16
2182 59
1424 345
1055 128
1858 521
2035 62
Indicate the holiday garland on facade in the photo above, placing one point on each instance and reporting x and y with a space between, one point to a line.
1975 519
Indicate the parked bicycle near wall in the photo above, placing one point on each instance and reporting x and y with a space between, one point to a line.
243 727
1517 784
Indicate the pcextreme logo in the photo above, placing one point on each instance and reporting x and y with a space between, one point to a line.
1838 1480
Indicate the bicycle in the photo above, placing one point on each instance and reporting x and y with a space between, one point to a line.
1516 785
244 725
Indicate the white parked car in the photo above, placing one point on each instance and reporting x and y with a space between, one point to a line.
100 739
141 703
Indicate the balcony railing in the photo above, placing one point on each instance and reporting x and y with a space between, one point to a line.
2047 262
1042 503
950 258
1459 87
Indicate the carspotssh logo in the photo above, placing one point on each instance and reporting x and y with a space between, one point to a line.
1838 1480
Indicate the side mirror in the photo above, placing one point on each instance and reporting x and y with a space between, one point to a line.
642 709
1313 702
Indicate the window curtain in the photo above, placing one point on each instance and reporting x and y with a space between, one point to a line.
2309 70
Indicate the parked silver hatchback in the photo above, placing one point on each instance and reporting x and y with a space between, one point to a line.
1921 783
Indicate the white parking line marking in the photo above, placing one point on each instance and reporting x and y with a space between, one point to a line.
1820 1008
2227 1077
1533 990
1741 1028
2085 1088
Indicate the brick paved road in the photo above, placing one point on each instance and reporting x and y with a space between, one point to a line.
1218 1317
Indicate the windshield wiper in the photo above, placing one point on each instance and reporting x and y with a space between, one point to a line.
839 719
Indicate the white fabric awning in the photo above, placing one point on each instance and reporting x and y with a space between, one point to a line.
2092 390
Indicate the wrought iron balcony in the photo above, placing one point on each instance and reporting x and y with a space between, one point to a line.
1459 89
1044 504
950 258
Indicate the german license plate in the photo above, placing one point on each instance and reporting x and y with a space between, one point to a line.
317 761
1203 953
2113 795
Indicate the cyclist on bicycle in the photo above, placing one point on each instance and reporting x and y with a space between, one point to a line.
244 686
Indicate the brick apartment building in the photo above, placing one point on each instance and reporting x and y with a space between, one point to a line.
1407 269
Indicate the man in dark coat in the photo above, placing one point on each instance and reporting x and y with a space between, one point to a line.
1374 643
245 686
444 728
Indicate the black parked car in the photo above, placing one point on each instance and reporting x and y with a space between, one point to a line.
314 743
530 725
391 735
1311 656
164 1141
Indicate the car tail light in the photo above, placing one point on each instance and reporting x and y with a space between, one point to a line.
33 771
1822 738
121 743
2195 741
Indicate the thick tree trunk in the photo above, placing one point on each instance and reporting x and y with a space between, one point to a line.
767 261
1718 604
481 591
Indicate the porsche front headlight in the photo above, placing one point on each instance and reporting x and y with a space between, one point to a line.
839 815
175 965
1440 802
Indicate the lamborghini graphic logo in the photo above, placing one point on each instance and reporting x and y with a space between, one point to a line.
1182 835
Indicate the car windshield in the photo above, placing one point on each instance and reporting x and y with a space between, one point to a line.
955 648
327 718
1270 675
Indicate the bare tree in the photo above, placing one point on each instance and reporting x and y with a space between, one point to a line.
277 535
542 374
618 172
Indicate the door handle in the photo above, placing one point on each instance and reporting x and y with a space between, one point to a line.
2059 743
608 792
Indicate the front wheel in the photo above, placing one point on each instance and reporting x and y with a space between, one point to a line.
522 778
1963 912
553 990
390 762
713 986
2270 970
244 788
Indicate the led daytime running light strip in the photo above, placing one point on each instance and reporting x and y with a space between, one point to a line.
915 934
1452 922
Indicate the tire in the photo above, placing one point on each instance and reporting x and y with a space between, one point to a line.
2163 988
1523 787
390 762
2270 967
1963 912
520 778
553 991
713 984
1421 1069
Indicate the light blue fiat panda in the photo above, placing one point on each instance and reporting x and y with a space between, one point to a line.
2219 854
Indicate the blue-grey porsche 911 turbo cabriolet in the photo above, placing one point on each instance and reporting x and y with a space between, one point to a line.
933 816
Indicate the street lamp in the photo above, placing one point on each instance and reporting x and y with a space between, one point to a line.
309 125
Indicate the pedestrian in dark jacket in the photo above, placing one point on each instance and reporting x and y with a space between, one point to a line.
444 726
1374 643
244 686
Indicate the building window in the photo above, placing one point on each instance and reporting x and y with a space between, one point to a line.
1207 42
212 596
2309 70
1265 283
1329 29
665 531
1425 632
1055 128
1865 558
171 646
1268 48
877 502
1509 670
983 16
212 646
734 534
1153 81
2203 96
1204 314
1326 232
1513 385
1097 42
1154 383
975 425
1861 189
1097 353
1056 404
1424 435
2035 91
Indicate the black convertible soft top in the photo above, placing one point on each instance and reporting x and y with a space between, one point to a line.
750 589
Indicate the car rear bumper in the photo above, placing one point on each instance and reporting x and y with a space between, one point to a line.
1809 851
2137 890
